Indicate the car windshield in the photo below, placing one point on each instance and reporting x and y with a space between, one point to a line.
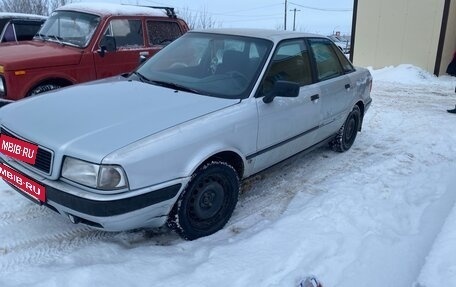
209 64
67 27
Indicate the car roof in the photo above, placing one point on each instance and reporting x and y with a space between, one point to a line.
110 9
273 35
4 15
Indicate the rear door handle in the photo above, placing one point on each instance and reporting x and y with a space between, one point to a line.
314 97
347 86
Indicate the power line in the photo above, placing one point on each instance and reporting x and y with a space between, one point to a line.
322 9
228 13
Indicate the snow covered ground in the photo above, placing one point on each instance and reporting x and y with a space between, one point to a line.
381 214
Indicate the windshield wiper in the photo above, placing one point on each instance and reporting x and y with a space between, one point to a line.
174 86
142 78
59 39
40 36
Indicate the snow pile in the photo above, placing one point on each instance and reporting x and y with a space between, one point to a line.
367 217
404 74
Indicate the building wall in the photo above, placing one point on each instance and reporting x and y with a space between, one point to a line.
393 32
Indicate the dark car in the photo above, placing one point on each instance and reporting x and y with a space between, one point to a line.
19 27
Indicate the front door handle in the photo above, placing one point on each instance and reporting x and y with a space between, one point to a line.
347 86
314 97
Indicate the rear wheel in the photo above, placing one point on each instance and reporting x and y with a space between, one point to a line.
207 203
347 133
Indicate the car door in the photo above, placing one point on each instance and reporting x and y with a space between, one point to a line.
336 97
128 36
287 125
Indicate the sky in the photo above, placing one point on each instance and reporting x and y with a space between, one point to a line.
381 214
314 16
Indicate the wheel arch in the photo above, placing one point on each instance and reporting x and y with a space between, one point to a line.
361 107
230 157
61 81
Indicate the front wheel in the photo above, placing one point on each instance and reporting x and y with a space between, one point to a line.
43 88
207 202
347 133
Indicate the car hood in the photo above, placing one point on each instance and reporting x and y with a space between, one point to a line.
37 54
91 120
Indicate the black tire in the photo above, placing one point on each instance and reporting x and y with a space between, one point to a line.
208 201
347 133
43 88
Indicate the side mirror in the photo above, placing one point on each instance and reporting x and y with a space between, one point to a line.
284 89
142 59
107 44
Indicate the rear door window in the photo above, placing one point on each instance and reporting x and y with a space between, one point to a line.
162 32
326 59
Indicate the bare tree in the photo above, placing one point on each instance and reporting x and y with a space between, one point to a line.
54 4
198 20
40 7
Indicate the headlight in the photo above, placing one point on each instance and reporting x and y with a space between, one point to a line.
104 177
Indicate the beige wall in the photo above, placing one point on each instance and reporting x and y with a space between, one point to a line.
393 32
450 39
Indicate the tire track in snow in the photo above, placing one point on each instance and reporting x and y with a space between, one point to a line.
266 195
45 249
32 211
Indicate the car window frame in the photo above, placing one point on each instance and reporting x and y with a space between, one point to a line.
108 26
335 50
148 32
258 92
26 22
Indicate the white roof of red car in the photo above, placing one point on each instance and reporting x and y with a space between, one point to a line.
21 15
103 9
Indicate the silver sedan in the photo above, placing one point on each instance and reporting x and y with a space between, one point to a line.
170 142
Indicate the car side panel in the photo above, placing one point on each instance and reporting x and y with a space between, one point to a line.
336 100
19 85
287 126
231 129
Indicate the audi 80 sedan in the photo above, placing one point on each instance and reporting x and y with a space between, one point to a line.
170 142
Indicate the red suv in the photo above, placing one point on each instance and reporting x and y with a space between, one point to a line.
82 42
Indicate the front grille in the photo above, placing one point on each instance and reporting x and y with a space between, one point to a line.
43 157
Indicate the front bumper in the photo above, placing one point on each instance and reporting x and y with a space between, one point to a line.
147 207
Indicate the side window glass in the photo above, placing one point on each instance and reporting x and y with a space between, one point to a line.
290 63
328 65
26 31
127 33
9 36
346 65
162 32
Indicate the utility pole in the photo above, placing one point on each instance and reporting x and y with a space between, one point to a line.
285 17
294 18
